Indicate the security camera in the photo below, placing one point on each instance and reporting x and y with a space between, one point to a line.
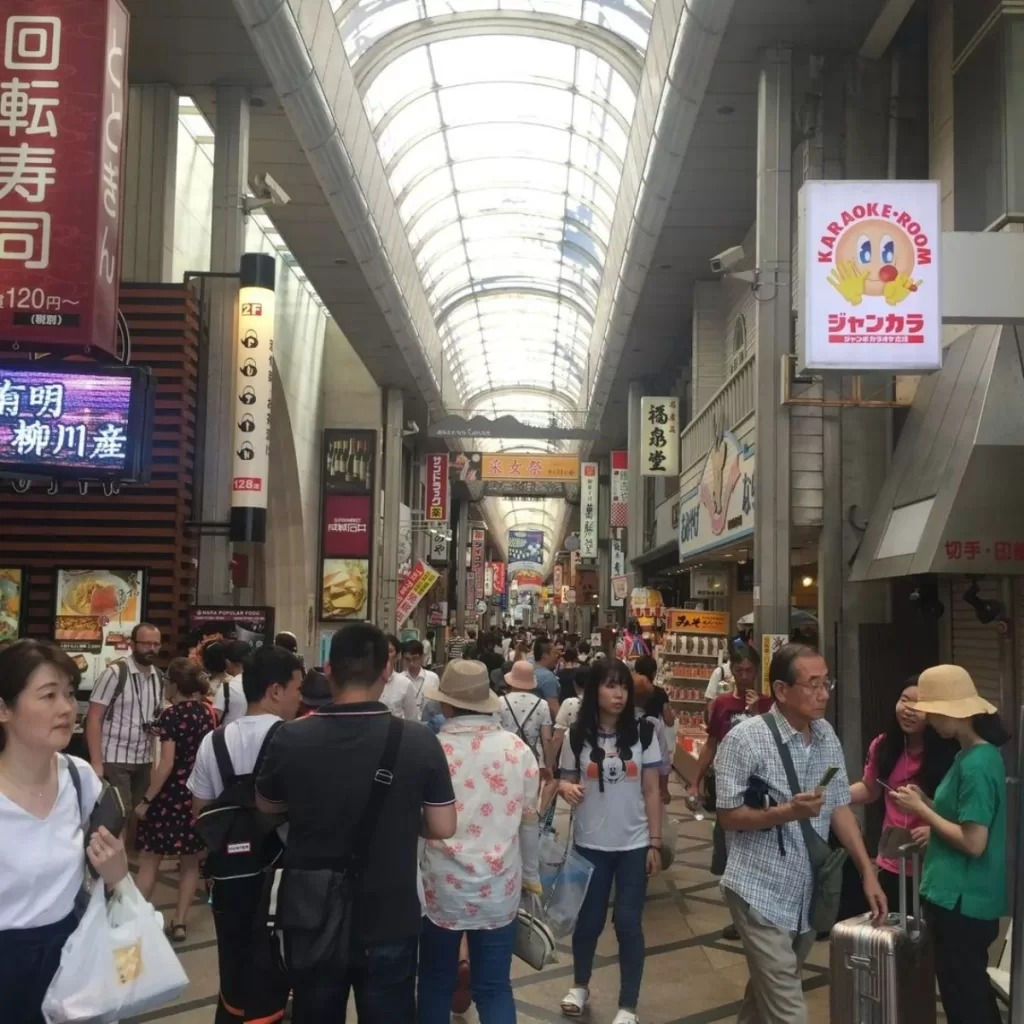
265 187
729 260
411 428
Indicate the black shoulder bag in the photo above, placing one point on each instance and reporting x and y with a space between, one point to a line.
312 911
826 863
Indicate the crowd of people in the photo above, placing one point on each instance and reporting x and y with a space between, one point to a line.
398 875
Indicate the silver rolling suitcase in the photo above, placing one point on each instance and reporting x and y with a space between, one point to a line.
884 974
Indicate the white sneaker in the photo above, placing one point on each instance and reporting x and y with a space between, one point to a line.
626 1017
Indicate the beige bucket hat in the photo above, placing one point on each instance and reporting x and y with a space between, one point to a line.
522 677
465 684
949 690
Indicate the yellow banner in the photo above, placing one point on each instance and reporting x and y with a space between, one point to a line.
706 623
524 466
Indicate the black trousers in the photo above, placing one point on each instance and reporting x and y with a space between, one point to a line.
29 958
253 987
961 965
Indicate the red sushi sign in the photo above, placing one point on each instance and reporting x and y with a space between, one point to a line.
63 102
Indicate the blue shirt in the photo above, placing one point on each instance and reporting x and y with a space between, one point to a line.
547 682
778 888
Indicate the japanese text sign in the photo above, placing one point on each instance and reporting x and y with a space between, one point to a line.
499 578
63 98
437 488
704 623
414 586
477 563
620 489
347 528
525 466
588 510
659 436
60 422
869 276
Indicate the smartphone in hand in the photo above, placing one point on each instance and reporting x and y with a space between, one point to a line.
830 773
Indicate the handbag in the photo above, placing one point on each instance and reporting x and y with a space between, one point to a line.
117 963
826 863
312 910
535 944
565 877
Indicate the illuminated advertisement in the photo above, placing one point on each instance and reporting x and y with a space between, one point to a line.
347 526
526 559
437 487
62 113
82 422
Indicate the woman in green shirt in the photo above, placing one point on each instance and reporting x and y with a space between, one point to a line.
963 885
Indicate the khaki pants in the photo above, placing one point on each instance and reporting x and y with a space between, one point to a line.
774 993
131 782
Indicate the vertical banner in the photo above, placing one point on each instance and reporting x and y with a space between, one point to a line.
556 581
470 594
574 565
617 598
588 510
620 490
348 478
499 578
438 553
437 488
526 561
489 580
254 372
62 113
477 564
659 436
411 590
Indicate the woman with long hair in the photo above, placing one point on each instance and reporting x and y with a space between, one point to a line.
42 869
963 884
165 812
609 775
909 751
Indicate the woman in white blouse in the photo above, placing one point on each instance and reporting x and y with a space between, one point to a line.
42 866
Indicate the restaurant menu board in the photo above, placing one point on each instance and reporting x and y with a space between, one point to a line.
254 625
12 603
95 613
349 475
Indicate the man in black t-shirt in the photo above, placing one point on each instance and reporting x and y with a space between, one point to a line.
319 771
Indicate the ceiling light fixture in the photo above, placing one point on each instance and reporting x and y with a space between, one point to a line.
808 581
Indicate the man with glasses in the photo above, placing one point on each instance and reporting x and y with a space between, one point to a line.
122 708
768 882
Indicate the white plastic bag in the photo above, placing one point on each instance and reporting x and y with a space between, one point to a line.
117 963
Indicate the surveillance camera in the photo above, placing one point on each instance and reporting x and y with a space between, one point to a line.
729 260
267 188
411 428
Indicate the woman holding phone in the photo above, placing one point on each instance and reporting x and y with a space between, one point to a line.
907 752
42 867
963 884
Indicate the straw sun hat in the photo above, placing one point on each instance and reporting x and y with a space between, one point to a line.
949 690
465 685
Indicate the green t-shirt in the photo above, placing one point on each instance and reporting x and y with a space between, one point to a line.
974 790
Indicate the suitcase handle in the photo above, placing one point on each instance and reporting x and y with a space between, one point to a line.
911 852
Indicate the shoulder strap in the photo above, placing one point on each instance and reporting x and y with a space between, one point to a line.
122 681
220 752
264 745
384 776
810 836
227 697
646 730
576 744
76 781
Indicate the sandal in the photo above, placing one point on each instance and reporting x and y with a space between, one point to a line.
575 1002
176 932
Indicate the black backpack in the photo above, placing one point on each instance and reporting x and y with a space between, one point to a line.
243 841
644 726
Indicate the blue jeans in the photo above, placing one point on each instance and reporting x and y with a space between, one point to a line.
383 979
490 960
628 870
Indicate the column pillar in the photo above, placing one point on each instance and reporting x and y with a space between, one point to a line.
230 171
635 528
459 554
774 339
387 610
150 176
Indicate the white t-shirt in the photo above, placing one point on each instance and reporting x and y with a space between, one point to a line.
244 738
721 682
532 713
42 861
418 684
617 818
568 712
238 703
400 697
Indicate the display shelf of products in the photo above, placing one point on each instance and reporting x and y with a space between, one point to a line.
694 646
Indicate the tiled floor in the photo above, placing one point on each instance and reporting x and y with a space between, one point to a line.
692 975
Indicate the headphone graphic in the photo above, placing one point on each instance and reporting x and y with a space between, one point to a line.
246 453
249 368
248 396
247 424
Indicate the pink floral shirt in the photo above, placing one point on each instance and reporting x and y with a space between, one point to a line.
473 880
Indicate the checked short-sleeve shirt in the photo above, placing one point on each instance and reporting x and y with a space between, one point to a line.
778 887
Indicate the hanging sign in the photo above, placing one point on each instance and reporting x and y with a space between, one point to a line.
415 585
588 510
870 276
254 371
62 111
620 490
619 589
477 564
489 580
438 547
659 436
574 565
525 466
437 488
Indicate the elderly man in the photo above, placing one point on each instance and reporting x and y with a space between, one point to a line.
768 882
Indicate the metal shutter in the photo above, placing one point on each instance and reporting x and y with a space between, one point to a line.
975 646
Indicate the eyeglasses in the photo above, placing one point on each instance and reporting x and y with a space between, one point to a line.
155 644
823 686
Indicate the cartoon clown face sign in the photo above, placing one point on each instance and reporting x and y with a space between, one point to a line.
869 271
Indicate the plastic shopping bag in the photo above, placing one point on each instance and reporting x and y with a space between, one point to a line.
565 876
669 836
117 963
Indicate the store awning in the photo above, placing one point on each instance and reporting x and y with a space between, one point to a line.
658 558
952 502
